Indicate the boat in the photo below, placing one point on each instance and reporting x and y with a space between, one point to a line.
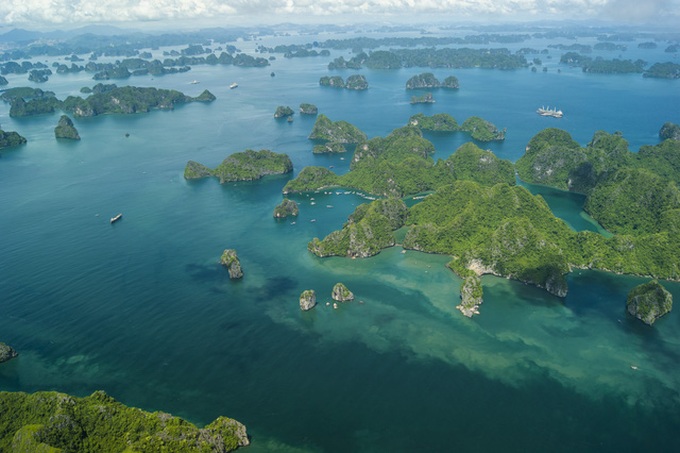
233 85
116 218
194 82
554 113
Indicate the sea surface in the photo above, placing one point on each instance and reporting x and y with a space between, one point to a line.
142 309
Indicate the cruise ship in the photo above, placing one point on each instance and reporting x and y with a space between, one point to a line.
550 112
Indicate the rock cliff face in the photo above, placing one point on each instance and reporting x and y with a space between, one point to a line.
230 260
649 301
307 300
6 352
341 293
470 296
66 129
286 208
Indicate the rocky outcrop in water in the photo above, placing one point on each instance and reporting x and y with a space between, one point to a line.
6 352
307 300
649 301
470 296
66 129
341 293
229 259
286 208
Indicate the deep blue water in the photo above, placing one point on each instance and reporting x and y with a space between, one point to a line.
142 310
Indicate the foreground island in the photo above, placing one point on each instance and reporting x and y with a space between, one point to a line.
55 422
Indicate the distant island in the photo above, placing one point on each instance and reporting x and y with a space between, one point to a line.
104 99
308 109
10 139
478 128
243 166
336 132
428 80
356 82
424 99
55 422
283 111
65 129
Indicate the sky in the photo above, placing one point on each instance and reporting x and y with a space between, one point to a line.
41 14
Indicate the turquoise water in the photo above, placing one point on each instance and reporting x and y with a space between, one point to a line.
142 310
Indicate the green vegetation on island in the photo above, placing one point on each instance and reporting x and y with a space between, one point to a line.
6 352
424 99
339 131
433 58
367 231
602 66
229 259
429 81
11 138
55 422
329 148
341 293
649 301
307 299
478 128
669 130
105 99
283 111
286 208
400 164
666 70
308 109
247 165
353 82
65 129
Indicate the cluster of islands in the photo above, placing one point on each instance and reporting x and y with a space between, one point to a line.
471 207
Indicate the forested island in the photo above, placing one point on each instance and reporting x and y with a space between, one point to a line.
247 165
11 138
104 99
353 82
54 422
477 215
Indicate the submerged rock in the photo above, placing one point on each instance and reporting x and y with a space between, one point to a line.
66 129
649 301
307 299
470 295
341 293
230 260
6 352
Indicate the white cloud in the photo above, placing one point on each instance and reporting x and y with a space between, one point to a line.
78 12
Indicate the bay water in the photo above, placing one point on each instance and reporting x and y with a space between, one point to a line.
142 309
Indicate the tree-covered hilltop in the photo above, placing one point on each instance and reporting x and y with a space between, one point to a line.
104 99
283 111
401 164
11 138
52 422
111 99
433 58
666 70
356 82
243 166
478 128
669 130
335 131
429 81
65 129
369 229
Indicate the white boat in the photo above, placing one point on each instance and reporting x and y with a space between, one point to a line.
194 82
116 218
550 112
233 85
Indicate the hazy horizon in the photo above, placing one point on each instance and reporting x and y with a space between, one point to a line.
39 15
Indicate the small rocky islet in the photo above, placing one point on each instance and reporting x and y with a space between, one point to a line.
229 259
649 301
248 165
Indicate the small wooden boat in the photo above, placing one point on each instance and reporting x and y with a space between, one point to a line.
116 218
